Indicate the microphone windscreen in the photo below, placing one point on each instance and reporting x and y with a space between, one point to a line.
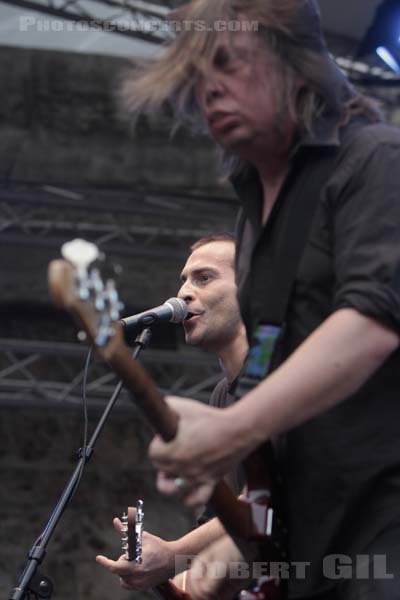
179 309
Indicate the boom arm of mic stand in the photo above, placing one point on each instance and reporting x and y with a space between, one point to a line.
30 581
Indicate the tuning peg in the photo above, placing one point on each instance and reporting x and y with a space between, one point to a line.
115 305
97 285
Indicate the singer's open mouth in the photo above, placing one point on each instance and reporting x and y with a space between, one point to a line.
191 316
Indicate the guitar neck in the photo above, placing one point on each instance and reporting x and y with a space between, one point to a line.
147 396
234 514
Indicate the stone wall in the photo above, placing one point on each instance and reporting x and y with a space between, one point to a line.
37 457
60 122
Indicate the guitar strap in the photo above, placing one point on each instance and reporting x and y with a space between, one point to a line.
278 256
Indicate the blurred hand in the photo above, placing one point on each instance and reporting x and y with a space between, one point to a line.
207 445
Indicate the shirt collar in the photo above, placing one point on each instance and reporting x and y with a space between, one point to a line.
324 134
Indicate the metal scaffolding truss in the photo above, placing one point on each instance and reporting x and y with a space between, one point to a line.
143 223
148 21
131 18
41 373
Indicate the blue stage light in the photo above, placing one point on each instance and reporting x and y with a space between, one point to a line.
383 36
388 58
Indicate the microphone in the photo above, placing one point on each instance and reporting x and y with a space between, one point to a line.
173 310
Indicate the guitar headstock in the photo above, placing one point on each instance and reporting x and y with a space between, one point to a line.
78 287
132 533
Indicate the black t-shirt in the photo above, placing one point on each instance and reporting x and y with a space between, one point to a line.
342 468
222 396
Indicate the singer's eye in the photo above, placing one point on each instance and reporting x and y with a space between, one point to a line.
204 278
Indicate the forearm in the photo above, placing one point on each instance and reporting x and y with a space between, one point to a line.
197 540
162 560
333 363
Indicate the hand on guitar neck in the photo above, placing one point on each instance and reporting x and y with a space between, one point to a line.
157 566
214 572
159 563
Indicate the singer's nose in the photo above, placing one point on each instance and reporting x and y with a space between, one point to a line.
185 293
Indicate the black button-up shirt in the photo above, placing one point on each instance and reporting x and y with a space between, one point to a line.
342 468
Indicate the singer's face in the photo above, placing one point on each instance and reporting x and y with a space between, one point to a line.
238 96
209 289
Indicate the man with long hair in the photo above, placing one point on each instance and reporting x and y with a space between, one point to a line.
297 139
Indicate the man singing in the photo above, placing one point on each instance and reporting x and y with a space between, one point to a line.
214 325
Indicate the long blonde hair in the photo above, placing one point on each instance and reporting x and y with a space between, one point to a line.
173 75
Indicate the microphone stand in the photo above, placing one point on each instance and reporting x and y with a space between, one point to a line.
31 581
